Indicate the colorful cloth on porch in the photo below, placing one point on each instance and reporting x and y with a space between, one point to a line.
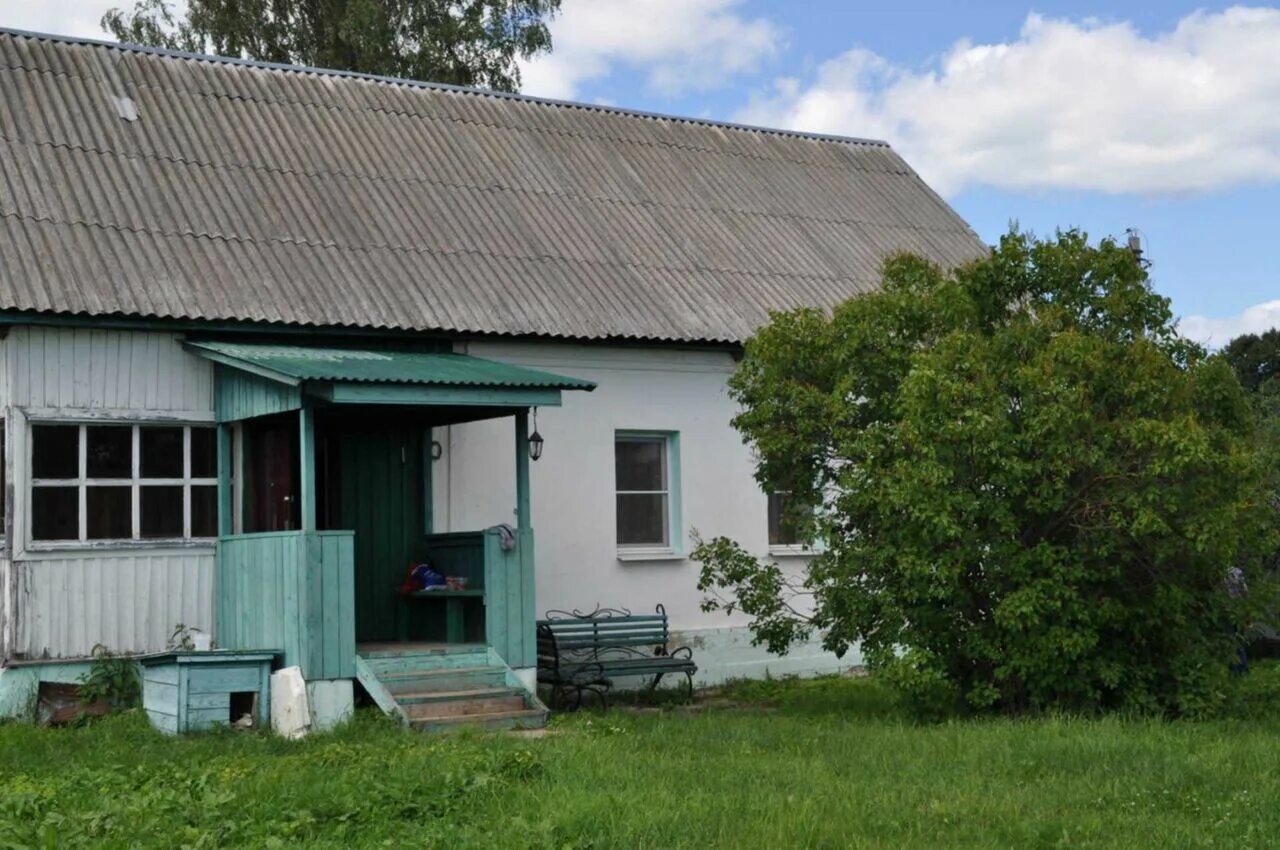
421 577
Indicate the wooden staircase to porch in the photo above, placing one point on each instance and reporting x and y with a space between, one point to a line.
443 687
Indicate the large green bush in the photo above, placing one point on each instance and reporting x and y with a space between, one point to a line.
1027 490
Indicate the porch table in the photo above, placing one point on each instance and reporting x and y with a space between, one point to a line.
455 625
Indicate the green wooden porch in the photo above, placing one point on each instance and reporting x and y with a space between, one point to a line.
324 500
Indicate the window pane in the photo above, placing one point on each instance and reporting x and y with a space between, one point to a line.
204 511
204 453
161 452
109 513
55 452
55 513
780 531
161 511
641 463
642 519
109 451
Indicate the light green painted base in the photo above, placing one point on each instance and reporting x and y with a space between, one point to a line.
19 685
332 702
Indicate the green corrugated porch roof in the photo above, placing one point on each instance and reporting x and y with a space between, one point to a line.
293 364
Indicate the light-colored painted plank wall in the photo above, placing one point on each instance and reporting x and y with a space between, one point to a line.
128 603
106 370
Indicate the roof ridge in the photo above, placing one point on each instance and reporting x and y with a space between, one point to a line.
445 87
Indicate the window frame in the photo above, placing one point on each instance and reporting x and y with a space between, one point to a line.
135 482
783 550
673 547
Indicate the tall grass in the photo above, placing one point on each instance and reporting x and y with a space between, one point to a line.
824 763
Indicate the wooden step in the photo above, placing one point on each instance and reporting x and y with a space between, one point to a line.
391 665
444 679
527 718
482 701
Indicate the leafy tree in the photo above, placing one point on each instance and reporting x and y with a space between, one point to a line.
1256 361
464 42
1029 490
1255 358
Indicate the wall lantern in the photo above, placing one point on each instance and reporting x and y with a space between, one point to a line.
535 439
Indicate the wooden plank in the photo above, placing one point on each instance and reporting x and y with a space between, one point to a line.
161 697
307 467
220 700
215 680
495 599
374 687
224 480
199 720
167 723
326 576
522 470
344 558
528 593
421 394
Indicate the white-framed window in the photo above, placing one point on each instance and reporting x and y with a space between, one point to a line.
113 481
781 533
647 481
784 538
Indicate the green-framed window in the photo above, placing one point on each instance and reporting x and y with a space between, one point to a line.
647 490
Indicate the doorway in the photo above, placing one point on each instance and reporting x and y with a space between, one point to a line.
374 480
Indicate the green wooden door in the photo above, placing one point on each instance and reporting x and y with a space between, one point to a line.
383 484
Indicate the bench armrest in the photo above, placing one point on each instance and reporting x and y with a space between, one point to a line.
688 653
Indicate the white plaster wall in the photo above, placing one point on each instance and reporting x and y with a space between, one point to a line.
61 603
573 490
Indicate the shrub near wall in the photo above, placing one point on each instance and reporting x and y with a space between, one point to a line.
1030 489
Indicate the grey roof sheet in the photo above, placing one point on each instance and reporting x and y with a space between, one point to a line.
265 193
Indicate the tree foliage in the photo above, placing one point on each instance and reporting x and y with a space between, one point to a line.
1255 359
463 42
1027 489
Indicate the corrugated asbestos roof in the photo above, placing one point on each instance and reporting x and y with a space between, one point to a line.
262 193
305 363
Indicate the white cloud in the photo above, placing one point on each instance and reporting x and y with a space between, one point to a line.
1217 332
679 45
64 17
1066 105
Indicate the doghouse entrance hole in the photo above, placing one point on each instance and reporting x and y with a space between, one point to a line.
242 703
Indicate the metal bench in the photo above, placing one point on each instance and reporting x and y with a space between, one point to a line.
583 653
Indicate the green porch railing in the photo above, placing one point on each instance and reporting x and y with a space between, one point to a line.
293 591
510 607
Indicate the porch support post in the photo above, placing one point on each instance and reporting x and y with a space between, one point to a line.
224 479
307 467
522 470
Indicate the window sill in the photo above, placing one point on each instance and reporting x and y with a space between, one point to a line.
78 547
651 555
792 551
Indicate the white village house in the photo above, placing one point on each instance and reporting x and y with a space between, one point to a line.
270 334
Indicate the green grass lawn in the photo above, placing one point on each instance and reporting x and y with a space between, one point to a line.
824 763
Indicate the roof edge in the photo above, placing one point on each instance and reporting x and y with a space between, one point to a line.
126 47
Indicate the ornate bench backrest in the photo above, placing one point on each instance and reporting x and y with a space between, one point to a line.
573 633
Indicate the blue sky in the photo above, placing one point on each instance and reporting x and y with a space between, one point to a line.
1156 114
